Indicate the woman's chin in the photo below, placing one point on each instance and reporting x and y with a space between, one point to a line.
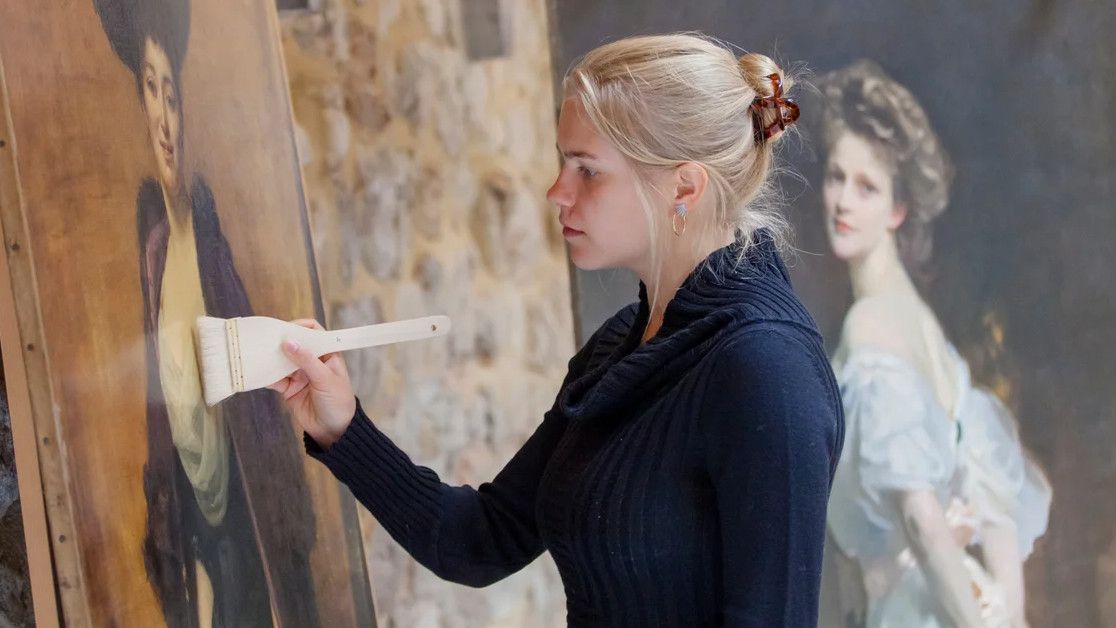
584 266
583 261
843 250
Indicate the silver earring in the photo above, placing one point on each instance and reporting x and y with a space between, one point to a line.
679 210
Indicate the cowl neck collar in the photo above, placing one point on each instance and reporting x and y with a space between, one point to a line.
723 293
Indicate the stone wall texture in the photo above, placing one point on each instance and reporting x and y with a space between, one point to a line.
15 586
425 173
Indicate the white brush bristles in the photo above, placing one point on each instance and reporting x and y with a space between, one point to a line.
215 359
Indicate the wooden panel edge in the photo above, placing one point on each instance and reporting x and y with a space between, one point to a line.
36 534
43 485
363 580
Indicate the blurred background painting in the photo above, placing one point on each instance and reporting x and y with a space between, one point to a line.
1009 243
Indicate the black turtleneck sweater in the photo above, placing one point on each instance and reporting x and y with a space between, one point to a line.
678 482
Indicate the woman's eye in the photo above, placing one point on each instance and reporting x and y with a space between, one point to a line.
586 172
835 176
172 102
151 85
867 188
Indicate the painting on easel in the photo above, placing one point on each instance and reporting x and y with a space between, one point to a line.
153 175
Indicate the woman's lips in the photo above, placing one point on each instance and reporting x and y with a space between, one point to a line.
842 227
567 232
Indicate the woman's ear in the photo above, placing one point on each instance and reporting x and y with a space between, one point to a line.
690 181
898 215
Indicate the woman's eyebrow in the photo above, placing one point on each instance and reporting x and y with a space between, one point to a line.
575 154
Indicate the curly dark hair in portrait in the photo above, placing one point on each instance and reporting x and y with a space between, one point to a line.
127 23
862 99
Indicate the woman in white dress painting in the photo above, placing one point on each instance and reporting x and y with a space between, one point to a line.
935 505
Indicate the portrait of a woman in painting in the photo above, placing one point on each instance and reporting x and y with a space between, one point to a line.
935 504
229 528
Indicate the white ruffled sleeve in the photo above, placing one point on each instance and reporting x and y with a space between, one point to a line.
1001 483
897 439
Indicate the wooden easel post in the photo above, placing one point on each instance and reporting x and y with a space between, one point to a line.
16 273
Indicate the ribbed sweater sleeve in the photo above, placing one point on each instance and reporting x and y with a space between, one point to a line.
469 536
771 433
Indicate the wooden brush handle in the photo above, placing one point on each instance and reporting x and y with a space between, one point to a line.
330 341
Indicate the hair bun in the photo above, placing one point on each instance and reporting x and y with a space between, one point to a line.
772 110
756 67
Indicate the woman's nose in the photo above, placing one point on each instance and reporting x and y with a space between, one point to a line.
559 193
164 125
844 198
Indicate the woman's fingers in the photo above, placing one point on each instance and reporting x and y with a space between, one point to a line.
294 378
295 388
308 323
311 367
298 382
289 387
339 366
336 363
328 359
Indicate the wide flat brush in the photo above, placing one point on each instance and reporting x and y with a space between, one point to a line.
240 354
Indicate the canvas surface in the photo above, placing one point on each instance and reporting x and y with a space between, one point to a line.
159 180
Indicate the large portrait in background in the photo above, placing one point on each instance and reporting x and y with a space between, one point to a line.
958 257
936 504
951 194
153 162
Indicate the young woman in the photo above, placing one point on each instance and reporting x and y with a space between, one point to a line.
681 476
932 465
205 560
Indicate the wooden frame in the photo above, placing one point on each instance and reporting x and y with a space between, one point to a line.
20 335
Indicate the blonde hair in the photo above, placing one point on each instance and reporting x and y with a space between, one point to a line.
664 100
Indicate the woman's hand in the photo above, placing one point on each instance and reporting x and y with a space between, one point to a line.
319 394
962 522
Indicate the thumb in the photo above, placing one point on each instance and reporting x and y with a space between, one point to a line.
315 371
